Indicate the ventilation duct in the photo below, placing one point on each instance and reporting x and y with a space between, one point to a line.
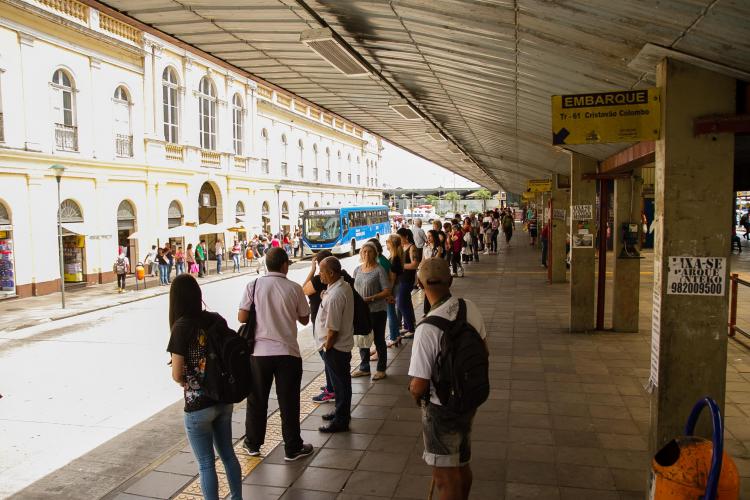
404 109
323 42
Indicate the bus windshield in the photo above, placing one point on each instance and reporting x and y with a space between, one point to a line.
322 227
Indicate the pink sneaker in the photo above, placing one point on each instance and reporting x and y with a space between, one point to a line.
324 397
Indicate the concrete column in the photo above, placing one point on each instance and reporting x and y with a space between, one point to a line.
627 271
693 178
558 233
582 260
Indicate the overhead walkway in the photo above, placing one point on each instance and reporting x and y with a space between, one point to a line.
568 416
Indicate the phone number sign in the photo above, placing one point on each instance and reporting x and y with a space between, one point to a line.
697 276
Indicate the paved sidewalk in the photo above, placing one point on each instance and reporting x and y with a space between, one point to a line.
20 313
567 418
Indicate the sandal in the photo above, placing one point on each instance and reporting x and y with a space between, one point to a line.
408 335
374 356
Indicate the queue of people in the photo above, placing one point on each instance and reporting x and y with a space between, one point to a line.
377 294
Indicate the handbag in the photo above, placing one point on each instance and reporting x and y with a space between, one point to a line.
193 268
364 341
247 330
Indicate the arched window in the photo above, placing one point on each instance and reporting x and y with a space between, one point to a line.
66 133
174 214
265 216
328 165
170 104
315 148
239 211
264 134
285 210
265 210
207 113
316 205
237 116
70 212
4 215
123 132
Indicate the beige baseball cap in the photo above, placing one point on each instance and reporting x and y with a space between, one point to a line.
434 271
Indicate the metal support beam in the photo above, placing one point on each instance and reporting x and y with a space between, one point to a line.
626 160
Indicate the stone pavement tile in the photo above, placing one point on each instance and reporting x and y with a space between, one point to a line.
372 483
579 456
529 435
180 463
585 476
277 457
376 412
622 442
315 438
159 484
608 411
630 480
405 414
393 444
561 409
337 459
320 479
575 438
530 420
573 423
531 472
528 407
405 428
411 486
365 425
349 441
488 449
530 452
494 433
388 389
378 461
268 474
353 496
295 494
487 490
567 493
615 426
567 397
128 496
521 491
257 492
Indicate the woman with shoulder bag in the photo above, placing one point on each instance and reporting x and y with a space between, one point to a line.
208 424
372 283
396 258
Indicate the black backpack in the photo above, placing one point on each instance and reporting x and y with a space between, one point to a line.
462 382
227 376
362 325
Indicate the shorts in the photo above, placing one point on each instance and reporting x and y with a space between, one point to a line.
447 436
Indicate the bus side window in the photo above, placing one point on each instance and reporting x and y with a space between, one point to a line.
344 227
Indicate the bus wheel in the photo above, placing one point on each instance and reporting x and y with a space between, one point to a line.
353 249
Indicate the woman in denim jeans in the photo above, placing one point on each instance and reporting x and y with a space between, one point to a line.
163 267
208 424
396 259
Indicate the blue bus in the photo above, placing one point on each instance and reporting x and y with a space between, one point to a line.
343 229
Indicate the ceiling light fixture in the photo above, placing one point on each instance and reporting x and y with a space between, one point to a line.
325 44
404 109
436 135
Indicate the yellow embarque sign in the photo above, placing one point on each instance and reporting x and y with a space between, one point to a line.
624 116
539 185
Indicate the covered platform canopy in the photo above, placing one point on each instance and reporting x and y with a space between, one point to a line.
477 73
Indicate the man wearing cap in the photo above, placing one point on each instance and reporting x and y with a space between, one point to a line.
447 444
279 305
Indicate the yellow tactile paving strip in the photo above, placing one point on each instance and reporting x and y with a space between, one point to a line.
273 438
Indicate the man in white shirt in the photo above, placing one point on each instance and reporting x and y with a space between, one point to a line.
334 331
279 305
446 434
219 251
420 238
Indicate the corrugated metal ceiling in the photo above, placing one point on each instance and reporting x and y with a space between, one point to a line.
483 71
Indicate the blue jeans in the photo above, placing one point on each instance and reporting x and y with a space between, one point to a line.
179 268
339 365
163 270
326 370
208 428
218 263
405 307
394 322
236 260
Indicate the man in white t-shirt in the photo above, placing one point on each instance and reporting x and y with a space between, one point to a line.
420 237
446 434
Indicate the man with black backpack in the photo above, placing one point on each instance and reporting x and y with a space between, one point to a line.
450 379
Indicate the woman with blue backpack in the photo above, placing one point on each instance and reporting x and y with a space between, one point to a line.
208 423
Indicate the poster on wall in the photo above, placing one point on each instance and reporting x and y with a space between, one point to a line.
696 276
559 213
582 212
583 239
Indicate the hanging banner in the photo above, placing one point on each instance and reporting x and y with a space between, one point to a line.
607 117
539 185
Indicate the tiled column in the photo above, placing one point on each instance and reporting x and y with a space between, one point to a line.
694 176
558 233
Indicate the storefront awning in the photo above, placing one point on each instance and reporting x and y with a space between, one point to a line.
81 228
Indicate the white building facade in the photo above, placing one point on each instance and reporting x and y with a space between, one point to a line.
155 139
